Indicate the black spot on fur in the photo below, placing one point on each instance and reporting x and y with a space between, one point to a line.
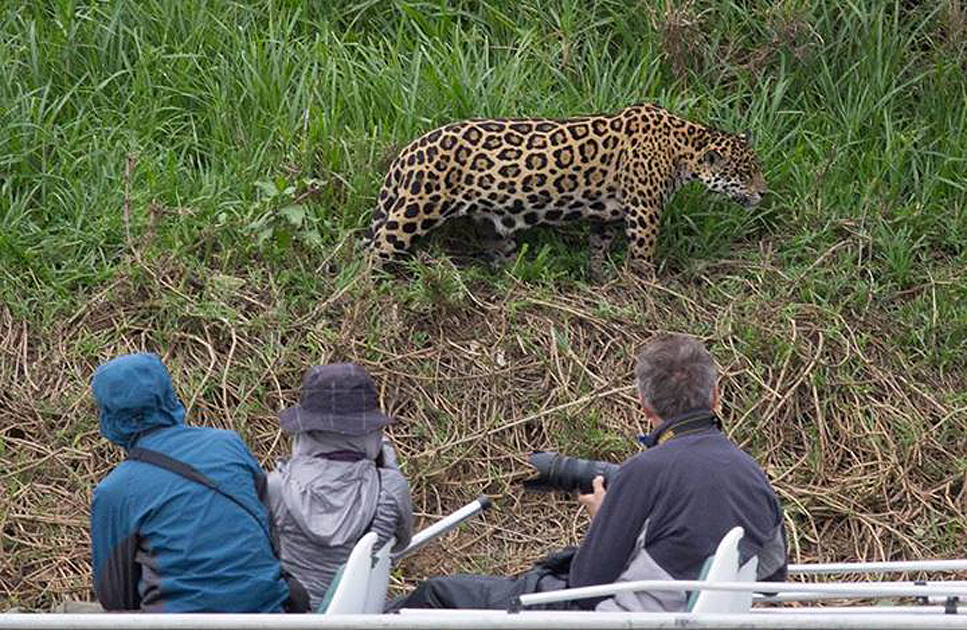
537 180
563 157
537 142
535 161
482 162
578 131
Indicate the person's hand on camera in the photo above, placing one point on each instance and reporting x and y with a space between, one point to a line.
592 501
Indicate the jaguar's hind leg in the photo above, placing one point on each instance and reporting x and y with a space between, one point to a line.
500 249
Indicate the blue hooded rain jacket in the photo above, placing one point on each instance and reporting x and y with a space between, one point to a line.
164 543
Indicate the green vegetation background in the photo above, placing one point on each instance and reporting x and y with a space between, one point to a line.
180 176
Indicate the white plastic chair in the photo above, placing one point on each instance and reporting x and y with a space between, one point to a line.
360 585
725 568
379 579
748 572
352 581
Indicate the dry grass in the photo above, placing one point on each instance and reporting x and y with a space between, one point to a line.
866 451
681 32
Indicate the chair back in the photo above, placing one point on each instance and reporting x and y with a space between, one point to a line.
352 583
742 602
724 567
379 579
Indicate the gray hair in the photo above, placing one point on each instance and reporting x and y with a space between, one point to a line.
675 375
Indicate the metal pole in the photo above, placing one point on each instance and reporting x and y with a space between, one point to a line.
863 610
444 525
878 567
810 597
845 589
481 620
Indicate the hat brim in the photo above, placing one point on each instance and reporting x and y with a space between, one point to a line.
299 420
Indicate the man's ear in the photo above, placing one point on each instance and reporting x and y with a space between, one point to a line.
716 405
649 413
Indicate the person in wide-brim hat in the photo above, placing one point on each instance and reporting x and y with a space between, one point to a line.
339 398
342 479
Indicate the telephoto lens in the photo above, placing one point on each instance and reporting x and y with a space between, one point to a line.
558 473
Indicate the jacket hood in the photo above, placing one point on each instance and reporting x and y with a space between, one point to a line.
134 394
333 502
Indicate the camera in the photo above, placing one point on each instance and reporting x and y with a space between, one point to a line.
566 474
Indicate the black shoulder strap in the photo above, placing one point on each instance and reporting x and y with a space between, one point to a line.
188 471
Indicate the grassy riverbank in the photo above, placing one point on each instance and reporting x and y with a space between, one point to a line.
191 179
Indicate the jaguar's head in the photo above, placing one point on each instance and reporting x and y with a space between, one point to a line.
727 164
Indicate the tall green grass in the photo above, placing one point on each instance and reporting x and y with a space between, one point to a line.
235 112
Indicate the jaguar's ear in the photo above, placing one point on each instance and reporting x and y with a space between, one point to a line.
712 157
746 136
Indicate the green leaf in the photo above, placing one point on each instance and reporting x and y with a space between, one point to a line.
296 214
312 237
268 188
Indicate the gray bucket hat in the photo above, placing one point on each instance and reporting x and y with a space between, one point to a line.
340 398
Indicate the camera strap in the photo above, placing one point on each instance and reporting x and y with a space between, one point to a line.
691 422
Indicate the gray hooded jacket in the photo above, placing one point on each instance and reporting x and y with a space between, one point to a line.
322 506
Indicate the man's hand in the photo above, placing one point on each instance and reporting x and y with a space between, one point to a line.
592 502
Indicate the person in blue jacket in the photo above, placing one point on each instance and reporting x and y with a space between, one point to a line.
161 541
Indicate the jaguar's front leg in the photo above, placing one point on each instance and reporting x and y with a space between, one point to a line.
600 239
641 226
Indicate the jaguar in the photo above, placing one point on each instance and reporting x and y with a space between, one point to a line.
510 174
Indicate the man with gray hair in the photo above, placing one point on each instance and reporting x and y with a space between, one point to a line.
664 511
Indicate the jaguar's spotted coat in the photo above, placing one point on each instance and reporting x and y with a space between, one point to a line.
517 173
